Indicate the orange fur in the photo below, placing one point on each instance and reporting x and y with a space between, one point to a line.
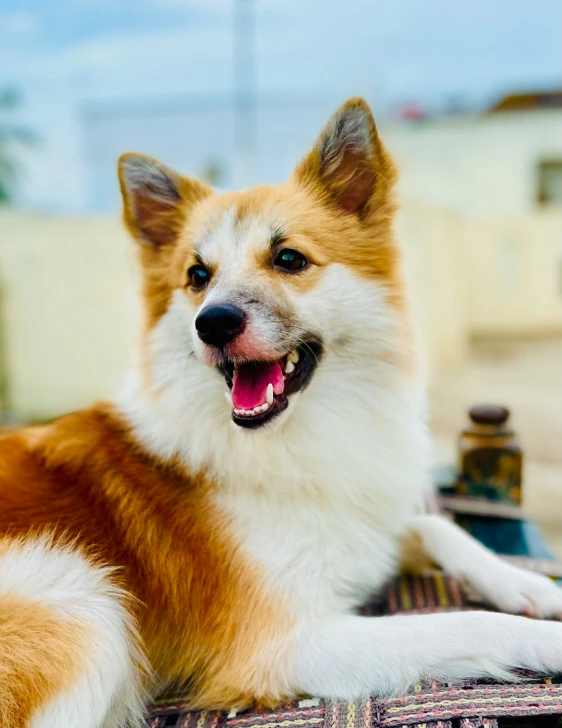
41 656
85 480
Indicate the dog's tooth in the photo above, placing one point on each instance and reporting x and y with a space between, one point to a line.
289 367
228 398
294 356
269 394
264 407
237 412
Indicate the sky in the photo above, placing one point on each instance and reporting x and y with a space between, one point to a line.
66 54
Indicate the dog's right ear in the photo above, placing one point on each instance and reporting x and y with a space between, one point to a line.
156 200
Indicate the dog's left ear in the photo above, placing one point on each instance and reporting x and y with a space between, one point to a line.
348 166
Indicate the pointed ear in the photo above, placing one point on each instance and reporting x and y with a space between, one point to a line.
348 165
156 200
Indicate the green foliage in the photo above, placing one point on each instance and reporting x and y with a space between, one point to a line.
213 173
12 135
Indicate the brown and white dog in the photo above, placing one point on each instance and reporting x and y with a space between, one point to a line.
175 537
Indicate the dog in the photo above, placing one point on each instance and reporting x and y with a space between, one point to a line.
262 473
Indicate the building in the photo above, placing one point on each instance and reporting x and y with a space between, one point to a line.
498 177
482 165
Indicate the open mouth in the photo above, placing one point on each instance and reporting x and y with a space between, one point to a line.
260 390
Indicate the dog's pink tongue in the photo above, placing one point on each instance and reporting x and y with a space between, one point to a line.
250 382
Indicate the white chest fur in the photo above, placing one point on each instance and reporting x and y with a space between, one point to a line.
325 557
323 527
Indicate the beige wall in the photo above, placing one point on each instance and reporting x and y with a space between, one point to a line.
70 312
513 275
432 242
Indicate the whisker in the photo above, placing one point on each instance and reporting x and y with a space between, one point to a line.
306 346
302 341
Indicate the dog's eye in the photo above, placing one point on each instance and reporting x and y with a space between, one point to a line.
291 261
198 277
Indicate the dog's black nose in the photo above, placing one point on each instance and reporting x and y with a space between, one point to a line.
220 323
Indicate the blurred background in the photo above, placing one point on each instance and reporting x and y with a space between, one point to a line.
468 98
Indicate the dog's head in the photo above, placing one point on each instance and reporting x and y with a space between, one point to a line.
265 288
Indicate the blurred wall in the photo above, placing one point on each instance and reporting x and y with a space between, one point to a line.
512 273
70 314
433 245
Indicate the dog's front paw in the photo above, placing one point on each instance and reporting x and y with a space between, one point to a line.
518 591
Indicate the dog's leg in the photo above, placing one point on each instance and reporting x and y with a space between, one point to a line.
507 587
350 656
68 653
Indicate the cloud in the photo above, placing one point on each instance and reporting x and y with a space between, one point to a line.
19 23
411 49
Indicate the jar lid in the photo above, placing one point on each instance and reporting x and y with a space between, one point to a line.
488 414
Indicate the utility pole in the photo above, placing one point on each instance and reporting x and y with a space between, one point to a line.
245 108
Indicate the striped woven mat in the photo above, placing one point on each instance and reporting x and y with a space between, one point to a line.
472 704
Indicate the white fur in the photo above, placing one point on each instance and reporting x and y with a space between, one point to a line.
350 657
319 498
62 579
507 587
